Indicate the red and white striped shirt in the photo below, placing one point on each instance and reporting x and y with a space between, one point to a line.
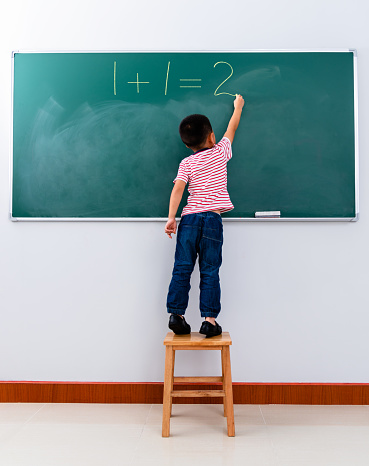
206 173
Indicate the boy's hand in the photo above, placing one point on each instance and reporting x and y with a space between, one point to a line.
238 102
171 227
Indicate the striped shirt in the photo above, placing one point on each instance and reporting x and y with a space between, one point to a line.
206 173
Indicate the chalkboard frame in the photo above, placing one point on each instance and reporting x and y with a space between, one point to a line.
162 219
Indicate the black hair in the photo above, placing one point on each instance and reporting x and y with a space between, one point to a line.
194 129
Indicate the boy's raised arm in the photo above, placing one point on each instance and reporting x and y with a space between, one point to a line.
235 118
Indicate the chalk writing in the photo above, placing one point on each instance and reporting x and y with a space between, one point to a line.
184 83
166 82
216 90
115 78
138 82
190 80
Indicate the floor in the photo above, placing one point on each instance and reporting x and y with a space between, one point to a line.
102 434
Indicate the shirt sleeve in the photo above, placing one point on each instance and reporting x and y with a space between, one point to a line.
183 172
226 147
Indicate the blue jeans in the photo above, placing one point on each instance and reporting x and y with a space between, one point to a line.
198 235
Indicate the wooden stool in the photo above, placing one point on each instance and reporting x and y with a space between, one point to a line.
196 341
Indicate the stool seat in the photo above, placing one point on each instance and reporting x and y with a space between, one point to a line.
196 341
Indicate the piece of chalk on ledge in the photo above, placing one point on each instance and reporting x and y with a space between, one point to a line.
269 214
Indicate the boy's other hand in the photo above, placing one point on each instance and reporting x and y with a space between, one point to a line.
239 102
171 227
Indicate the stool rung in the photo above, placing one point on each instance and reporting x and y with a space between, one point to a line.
197 393
198 379
196 348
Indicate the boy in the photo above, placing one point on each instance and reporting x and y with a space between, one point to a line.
200 232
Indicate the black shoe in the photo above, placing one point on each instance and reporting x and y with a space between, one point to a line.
210 330
178 325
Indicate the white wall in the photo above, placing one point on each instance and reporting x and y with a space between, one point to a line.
86 301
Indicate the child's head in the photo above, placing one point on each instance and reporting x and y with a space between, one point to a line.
194 131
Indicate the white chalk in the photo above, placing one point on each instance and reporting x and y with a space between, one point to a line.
268 214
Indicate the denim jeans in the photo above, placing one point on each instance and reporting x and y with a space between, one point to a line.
199 235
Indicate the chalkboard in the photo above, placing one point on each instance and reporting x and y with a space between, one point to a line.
95 135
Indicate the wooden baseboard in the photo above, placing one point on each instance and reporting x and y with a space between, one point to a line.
243 393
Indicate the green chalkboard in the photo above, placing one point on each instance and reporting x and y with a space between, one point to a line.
95 135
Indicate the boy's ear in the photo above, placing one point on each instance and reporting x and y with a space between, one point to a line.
212 139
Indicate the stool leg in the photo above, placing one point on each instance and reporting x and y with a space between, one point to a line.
171 387
228 391
168 384
223 379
